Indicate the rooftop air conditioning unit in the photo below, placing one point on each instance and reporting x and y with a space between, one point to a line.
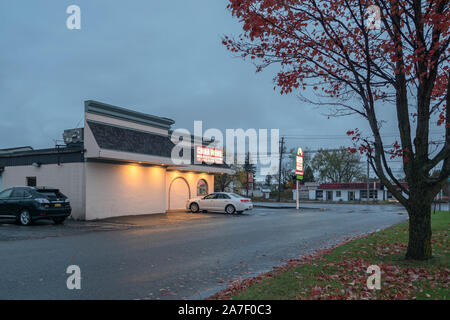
73 137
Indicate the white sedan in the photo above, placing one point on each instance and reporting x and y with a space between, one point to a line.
220 202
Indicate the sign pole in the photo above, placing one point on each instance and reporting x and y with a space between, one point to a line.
375 191
297 196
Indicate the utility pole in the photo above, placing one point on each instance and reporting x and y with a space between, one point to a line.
367 180
440 199
246 188
448 193
246 172
279 168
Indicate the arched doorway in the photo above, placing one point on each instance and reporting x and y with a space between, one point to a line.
179 193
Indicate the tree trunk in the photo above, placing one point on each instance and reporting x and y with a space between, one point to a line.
419 243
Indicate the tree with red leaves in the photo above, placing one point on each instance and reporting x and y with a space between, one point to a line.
359 55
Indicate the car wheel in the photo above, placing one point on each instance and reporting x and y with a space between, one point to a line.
194 207
24 218
230 209
58 220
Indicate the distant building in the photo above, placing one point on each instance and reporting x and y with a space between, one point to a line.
266 192
346 191
304 190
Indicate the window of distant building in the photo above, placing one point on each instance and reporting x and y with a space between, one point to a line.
319 194
363 194
373 194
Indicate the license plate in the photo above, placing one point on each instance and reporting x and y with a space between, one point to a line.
57 205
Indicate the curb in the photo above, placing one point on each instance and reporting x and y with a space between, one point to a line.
284 207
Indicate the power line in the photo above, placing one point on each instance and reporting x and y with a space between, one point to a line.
385 134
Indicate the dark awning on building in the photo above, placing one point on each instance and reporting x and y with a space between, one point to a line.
115 138
128 140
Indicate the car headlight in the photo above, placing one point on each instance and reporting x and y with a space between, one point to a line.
42 200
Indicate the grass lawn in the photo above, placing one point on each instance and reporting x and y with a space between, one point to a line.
340 272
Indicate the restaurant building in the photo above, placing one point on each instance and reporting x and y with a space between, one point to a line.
118 164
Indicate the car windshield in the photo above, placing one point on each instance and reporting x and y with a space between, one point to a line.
236 195
6 193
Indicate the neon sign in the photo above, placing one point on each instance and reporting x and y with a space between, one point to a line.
209 155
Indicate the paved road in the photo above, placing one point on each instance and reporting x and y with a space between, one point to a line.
177 256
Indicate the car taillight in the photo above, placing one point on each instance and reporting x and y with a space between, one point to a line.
244 200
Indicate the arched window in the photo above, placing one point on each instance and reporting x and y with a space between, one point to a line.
202 188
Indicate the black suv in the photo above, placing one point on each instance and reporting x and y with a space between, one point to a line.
27 204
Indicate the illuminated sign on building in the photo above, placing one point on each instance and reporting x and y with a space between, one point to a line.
209 155
299 170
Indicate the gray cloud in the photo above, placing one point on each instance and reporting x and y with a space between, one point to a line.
163 58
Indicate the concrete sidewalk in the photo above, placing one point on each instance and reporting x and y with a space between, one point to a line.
168 218
281 205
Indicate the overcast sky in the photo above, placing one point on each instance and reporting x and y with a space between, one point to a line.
160 57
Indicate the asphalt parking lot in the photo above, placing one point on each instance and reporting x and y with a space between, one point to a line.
173 256
10 231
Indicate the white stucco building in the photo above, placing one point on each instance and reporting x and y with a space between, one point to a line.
118 164
346 191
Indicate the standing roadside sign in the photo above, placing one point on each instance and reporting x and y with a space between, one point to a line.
299 171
